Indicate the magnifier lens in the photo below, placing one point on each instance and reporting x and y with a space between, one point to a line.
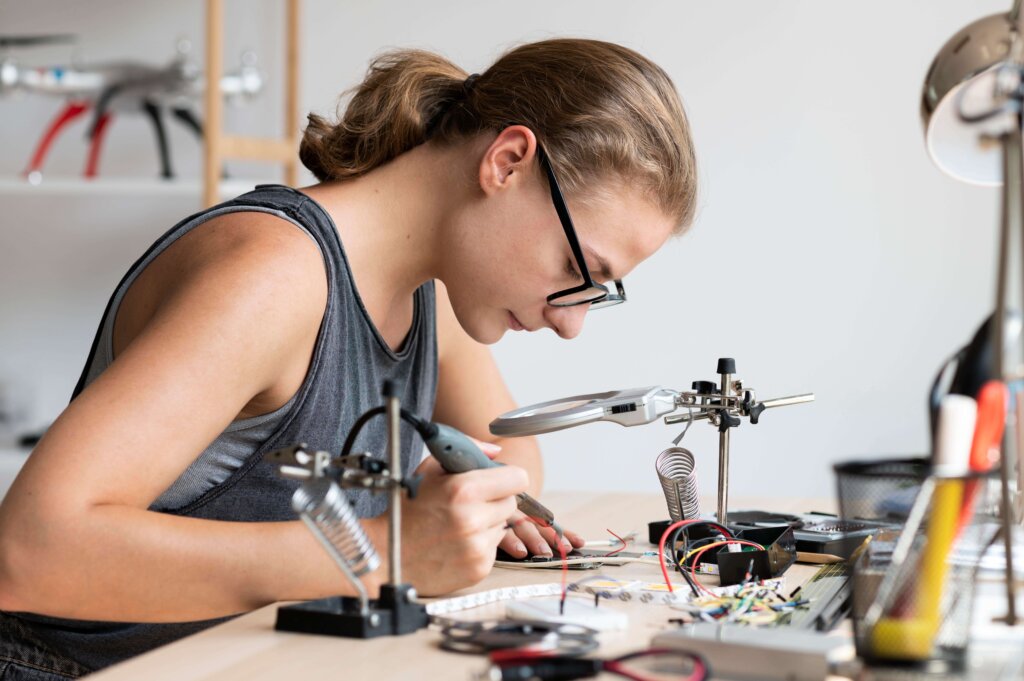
557 407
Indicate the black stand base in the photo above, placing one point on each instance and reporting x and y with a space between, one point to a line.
393 614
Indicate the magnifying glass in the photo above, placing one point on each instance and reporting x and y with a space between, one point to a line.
630 407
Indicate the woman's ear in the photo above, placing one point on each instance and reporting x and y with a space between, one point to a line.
507 158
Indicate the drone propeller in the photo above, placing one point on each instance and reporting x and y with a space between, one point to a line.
34 40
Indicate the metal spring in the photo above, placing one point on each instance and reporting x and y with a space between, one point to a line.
677 472
326 510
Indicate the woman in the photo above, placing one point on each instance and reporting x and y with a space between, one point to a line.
249 327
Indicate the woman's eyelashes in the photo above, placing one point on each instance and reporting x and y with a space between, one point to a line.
570 269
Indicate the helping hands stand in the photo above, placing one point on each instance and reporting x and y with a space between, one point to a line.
395 612
723 406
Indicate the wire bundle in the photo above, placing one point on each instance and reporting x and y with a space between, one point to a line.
753 604
675 529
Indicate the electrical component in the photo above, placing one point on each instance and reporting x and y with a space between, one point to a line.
575 611
447 606
760 654
564 638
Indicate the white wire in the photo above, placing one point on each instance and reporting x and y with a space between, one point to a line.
689 422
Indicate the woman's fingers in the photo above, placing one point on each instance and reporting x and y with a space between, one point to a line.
551 538
530 535
489 448
576 540
513 545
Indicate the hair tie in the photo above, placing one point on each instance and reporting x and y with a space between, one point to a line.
467 85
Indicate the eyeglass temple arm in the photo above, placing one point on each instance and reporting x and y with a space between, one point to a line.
563 215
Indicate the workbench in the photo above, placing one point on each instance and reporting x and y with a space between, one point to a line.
249 649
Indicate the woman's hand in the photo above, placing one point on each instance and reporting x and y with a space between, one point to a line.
450 530
525 537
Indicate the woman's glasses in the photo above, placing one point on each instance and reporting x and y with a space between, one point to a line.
589 292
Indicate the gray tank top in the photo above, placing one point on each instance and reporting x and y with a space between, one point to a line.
229 480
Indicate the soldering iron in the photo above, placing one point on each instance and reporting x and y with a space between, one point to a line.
457 453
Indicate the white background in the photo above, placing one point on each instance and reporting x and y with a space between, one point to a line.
829 254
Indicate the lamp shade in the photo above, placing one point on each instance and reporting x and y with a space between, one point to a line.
963 74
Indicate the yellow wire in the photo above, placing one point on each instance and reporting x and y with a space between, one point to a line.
712 545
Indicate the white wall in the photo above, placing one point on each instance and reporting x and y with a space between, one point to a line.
829 255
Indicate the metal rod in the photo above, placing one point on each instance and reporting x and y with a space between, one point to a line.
683 418
1011 231
213 103
395 507
723 460
786 401
704 415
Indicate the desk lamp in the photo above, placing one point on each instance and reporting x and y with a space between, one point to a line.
971 109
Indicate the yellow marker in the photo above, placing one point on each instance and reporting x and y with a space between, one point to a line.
911 638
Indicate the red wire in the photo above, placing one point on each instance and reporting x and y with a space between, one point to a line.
512 655
520 656
561 554
700 670
661 547
621 548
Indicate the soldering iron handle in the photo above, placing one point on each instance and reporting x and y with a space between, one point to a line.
455 451
458 453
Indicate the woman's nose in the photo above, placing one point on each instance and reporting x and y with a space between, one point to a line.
566 321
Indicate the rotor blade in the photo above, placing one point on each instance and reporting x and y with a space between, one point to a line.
33 40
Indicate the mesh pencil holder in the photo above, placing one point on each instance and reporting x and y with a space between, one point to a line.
880 491
913 584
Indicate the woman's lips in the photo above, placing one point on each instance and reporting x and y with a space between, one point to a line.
514 323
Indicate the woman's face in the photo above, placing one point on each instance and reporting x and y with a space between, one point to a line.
510 252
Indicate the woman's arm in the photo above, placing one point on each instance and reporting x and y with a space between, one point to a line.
76 538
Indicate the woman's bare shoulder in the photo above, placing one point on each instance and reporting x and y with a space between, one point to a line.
249 258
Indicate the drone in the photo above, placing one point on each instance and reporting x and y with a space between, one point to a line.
118 86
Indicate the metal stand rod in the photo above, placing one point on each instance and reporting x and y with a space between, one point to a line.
705 415
786 401
1012 231
395 507
723 460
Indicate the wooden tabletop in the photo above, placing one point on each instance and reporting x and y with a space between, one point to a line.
248 648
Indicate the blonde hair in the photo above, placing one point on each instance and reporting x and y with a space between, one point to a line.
599 109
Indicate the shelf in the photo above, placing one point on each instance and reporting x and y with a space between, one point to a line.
119 186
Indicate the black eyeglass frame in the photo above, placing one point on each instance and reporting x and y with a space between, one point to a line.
602 296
